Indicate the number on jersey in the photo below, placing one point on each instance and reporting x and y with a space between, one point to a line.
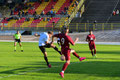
62 41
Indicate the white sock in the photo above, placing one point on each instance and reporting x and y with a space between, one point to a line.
62 71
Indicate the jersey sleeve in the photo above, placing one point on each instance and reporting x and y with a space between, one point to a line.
87 37
94 36
20 35
70 40
46 38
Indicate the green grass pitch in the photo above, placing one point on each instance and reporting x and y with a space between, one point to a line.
30 64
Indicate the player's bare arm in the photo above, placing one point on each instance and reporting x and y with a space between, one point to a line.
52 39
20 37
36 35
95 39
76 40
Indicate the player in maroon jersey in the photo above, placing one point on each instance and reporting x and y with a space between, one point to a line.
65 48
91 41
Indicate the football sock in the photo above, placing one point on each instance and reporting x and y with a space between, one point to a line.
62 71
21 48
57 50
75 54
92 53
65 66
46 60
15 48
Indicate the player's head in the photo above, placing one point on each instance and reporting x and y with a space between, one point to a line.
90 32
65 30
59 31
17 31
50 33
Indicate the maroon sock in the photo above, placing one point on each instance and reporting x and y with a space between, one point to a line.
92 53
65 66
75 54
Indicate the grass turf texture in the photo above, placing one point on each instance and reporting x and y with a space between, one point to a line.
30 64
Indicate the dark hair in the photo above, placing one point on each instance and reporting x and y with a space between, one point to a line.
50 32
90 30
64 29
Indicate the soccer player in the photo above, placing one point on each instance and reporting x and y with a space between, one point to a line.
17 38
44 43
65 48
91 41
58 40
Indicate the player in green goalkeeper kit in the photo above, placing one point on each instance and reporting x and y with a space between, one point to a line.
17 38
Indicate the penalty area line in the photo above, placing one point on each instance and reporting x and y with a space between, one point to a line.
22 73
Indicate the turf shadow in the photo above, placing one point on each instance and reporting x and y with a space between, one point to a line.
94 68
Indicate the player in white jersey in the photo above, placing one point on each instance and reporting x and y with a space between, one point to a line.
58 40
44 43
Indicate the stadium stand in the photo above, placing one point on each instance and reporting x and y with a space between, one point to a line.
17 19
41 7
35 22
52 22
18 22
66 4
58 4
99 10
49 6
36 5
115 18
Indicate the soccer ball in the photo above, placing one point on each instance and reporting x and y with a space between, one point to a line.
62 58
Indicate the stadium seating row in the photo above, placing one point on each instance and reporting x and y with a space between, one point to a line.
42 22
58 6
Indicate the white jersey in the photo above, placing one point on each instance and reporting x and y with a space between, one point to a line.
43 38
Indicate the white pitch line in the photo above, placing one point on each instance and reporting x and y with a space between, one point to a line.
36 70
104 43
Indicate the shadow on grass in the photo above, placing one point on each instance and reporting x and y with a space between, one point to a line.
94 68
32 67
101 52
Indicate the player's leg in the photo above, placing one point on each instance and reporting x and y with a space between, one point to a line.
67 57
76 55
15 43
20 46
58 42
92 52
55 48
64 68
94 49
91 49
45 55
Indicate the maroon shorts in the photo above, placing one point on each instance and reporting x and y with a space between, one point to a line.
66 53
92 46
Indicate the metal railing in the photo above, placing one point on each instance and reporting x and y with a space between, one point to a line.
65 20
75 27
83 27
